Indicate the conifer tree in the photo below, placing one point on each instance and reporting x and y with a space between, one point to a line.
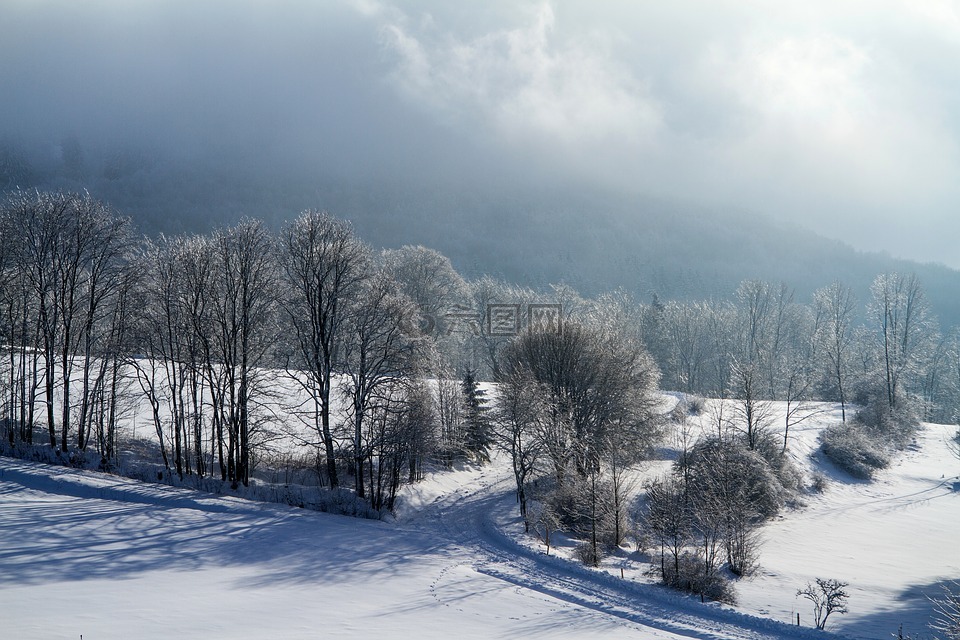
476 421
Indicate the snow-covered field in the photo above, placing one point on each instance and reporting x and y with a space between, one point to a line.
107 557
894 540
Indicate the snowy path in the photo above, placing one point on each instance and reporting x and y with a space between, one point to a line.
107 557
476 520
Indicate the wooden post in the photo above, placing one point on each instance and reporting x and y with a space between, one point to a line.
798 618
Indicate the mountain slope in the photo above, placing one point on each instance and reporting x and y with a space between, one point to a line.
526 233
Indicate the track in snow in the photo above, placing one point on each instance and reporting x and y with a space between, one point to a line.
476 523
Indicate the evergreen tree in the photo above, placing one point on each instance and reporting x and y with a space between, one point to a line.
477 425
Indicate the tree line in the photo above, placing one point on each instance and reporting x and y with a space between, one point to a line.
385 350
199 329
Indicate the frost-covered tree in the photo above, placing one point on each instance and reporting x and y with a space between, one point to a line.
685 332
429 279
835 307
598 382
244 329
901 317
324 267
378 349
669 519
739 487
519 419
70 261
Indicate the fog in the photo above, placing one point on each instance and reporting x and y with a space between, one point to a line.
840 117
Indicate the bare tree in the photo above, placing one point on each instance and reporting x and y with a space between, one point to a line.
902 319
70 260
9 320
403 427
753 412
242 317
448 401
519 414
108 281
166 335
796 371
828 596
685 329
41 218
598 383
378 350
324 266
669 518
834 309
756 300
721 317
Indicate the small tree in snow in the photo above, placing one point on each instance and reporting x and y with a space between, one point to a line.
476 421
828 596
947 607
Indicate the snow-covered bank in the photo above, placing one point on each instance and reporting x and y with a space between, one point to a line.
894 540
106 557
113 558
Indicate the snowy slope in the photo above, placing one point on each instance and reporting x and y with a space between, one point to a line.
107 557
894 540
112 558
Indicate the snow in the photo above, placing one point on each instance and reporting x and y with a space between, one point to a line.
894 541
107 557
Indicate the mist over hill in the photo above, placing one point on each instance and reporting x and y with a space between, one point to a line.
532 233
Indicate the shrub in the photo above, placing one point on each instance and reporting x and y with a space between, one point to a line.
894 425
854 450
343 502
743 478
828 596
693 578
819 482
696 405
589 556
770 448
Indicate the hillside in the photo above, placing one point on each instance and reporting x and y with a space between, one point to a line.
101 556
595 240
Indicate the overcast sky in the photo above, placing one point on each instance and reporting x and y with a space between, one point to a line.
842 116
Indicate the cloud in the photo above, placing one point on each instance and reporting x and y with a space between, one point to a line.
830 127
842 116
523 83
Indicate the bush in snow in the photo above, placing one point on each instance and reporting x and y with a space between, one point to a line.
585 508
345 503
818 483
695 405
854 450
690 575
589 554
894 425
771 450
729 470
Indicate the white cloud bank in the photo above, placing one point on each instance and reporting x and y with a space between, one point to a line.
840 116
